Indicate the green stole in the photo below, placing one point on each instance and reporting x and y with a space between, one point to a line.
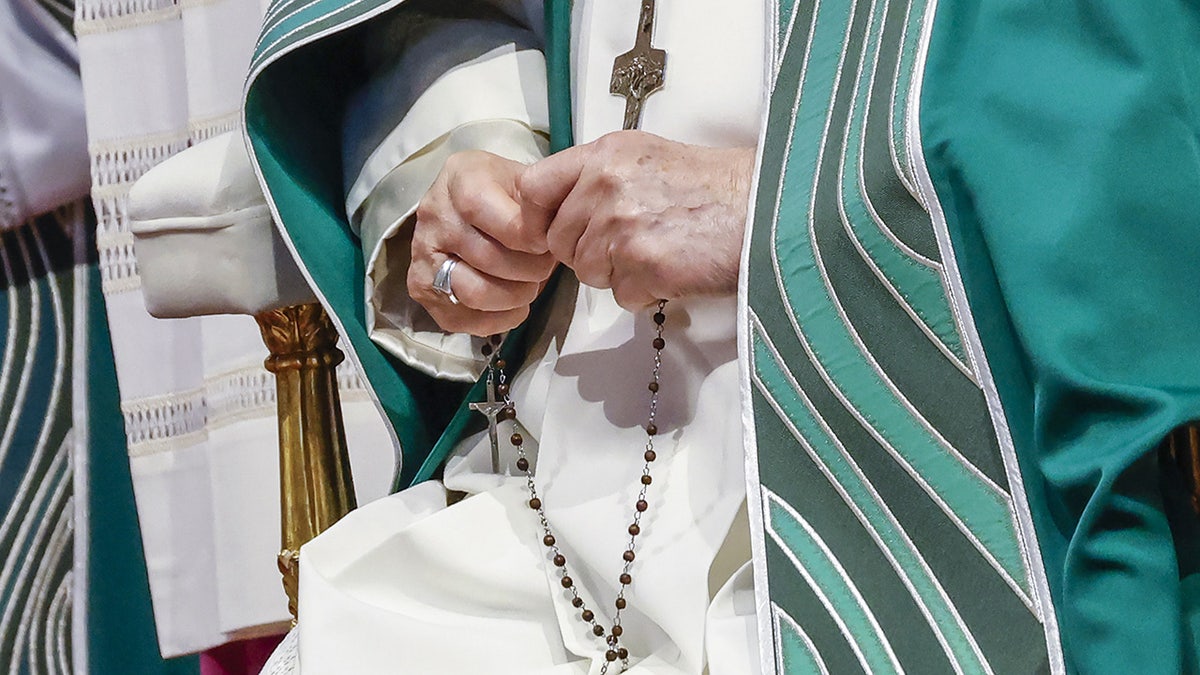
965 337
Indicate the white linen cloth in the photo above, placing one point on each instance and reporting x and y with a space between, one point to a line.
199 409
411 585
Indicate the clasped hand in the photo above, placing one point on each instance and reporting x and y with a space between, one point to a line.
647 217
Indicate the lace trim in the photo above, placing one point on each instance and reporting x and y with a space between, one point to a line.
170 421
115 166
158 418
205 128
100 16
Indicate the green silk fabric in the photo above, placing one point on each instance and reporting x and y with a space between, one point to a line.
1062 140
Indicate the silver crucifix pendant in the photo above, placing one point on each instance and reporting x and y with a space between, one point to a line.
640 71
491 409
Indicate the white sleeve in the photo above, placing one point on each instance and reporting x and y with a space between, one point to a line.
461 84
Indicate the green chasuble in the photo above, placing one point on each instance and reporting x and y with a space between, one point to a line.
964 327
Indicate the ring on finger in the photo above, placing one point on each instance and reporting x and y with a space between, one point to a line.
442 281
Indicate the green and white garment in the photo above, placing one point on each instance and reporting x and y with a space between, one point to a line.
966 320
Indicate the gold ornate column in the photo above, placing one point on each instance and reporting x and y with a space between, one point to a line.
316 488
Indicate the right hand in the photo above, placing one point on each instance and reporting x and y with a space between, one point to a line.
471 213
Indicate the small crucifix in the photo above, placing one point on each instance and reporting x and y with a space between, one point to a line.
640 71
491 409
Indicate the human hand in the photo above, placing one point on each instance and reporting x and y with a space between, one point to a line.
647 217
471 213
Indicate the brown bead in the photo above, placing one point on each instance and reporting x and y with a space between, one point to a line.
626 579
617 630
559 561
548 540
610 655
496 339
598 630
523 464
535 503
660 318
501 363
622 653
621 603
653 386
486 349
510 413
577 601
502 389
646 479
587 615
635 530
641 505
628 556
659 343
567 582
516 439
650 455
652 429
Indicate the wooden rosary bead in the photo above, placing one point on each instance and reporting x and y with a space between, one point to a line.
626 579
502 389
622 653
535 503
628 556
587 615
635 530
548 540
598 631
577 601
567 582
496 339
617 630
646 479
621 603
486 349
523 464
660 318
653 386
501 363
650 455
641 505
610 655
652 429
516 439
559 561
659 343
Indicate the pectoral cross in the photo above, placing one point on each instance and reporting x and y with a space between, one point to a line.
491 409
640 71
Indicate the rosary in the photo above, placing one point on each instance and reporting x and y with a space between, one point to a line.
503 408
636 75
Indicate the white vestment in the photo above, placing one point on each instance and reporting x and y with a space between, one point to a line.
408 584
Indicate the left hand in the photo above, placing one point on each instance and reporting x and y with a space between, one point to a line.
647 217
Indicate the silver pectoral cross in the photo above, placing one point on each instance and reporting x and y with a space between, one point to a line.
640 71
491 409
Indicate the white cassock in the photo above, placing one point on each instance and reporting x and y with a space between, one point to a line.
408 584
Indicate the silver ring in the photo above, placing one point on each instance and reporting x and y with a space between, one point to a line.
441 280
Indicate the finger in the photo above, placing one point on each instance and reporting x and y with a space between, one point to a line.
493 258
632 293
569 225
592 260
543 186
489 206
484 292
459 319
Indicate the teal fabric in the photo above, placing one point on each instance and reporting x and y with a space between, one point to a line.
1062 139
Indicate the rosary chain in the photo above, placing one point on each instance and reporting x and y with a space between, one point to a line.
612 637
